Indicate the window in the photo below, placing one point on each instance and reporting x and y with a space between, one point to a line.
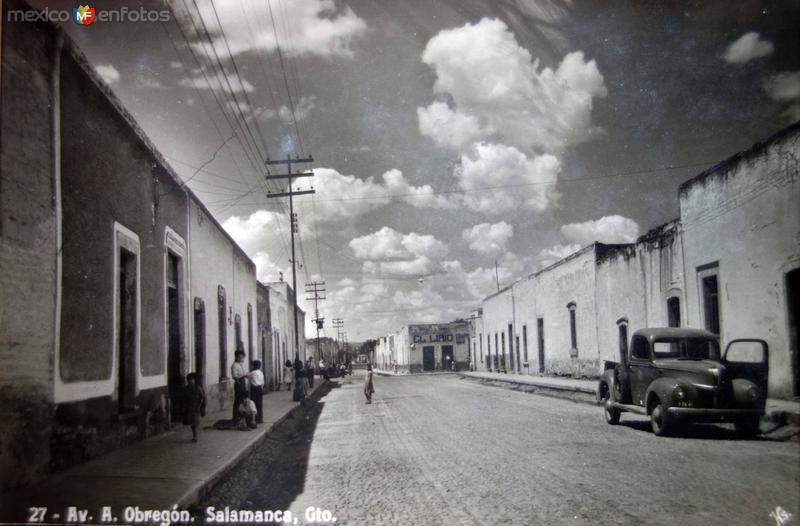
709 291
511 345
540 331
238 332
223 331
640 349
250 331
573 334
525 341
673 312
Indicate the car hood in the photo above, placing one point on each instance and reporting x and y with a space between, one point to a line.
707 369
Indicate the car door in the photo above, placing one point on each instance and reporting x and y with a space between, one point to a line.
748 358
640 369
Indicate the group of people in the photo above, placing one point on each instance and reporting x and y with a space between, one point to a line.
248 394
248 390
299 375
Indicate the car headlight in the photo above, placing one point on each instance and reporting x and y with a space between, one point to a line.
679 393
753 394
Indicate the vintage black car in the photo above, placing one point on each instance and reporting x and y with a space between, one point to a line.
676 375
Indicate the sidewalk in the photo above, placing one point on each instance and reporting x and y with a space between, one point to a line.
778 410
155 473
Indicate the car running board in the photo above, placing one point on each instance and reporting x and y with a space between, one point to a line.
629 408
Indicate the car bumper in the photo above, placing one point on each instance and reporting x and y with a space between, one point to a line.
700 414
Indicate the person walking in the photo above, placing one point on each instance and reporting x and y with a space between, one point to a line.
368 387
239 375
194 404
310 372
256 378
288 375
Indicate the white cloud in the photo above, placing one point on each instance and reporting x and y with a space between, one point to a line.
500 92
424 245
608 229
783 87
305 27
513 181
388 244
417 196
268 271
447 127
548 256
344 198
200 82
361 195
489 239
108 73
302 109
748 47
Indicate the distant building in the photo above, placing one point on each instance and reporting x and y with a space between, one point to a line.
425 347
327 350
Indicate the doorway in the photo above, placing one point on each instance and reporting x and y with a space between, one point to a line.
447 357
200 340
428 358
174 374
127 330
793 312
540 331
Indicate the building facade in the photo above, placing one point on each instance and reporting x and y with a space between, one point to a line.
729 264
116 280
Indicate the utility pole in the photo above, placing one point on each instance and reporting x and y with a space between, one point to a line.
496 278
316 287
290 194
338 324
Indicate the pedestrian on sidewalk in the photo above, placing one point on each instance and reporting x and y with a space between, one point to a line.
300 382
310 372
256 379
368 387
239 375
288 375
194 404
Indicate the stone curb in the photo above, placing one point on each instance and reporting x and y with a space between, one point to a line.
203 488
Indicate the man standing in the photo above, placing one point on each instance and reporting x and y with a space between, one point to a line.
256 378
239 376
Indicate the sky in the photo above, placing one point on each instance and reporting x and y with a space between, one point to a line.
458 145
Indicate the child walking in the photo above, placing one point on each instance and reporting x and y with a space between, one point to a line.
194 399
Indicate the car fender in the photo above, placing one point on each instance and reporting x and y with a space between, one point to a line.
606 382
663 388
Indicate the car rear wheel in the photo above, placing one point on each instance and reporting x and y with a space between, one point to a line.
660 420
748 428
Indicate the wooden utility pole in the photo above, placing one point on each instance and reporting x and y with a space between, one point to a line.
338 324
316 287
290 194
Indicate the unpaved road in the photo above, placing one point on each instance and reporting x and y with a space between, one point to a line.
440 450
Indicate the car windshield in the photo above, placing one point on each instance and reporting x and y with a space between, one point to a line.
686 349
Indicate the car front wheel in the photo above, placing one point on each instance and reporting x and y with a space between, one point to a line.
660 420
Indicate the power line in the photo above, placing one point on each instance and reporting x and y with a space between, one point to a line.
503 187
